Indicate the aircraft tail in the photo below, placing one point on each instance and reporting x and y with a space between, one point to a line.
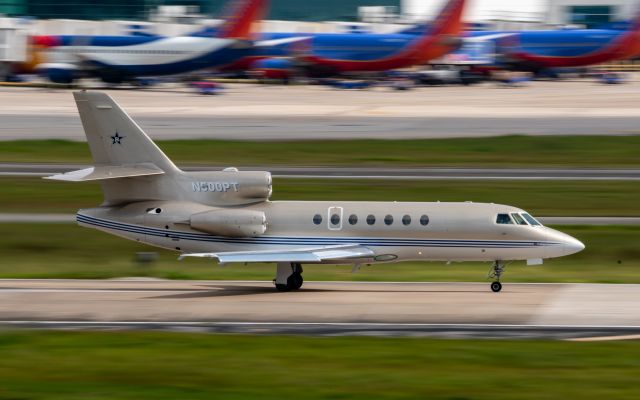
441 36
120 149
114 138
240 18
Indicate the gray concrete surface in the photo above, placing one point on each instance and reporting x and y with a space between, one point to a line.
255 112
523 310
40 170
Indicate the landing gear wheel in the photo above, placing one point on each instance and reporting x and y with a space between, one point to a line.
295 281
288 277
282 288
496 272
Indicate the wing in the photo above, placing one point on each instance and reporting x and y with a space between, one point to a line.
308 255
488 37
282 41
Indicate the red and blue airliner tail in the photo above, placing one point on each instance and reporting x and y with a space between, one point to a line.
241 18
442 35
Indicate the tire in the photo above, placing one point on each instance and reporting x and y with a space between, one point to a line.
496 287
295 282
282 288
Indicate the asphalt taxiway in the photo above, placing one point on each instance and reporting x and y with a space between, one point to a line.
569 311
262 112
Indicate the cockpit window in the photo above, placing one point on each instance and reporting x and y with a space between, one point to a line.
531 220
519 220
504 219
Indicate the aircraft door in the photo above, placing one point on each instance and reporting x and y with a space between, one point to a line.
334 218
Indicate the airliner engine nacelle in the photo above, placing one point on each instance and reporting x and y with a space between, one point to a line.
273 68
58 72
231 187
230 223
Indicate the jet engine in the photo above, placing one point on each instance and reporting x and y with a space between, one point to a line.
58 72
230 223
231 187
274 68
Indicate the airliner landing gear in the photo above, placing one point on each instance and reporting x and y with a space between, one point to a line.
496 272
288 277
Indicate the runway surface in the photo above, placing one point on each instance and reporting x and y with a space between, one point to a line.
40 170
331 308
258 128
260 112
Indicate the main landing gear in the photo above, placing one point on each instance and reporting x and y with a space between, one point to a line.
288 277
496 272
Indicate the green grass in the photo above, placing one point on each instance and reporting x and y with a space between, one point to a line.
69 251
512 151
134 365
543 198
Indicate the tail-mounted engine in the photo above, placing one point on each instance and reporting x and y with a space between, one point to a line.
230 223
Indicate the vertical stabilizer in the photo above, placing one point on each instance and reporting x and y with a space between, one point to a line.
240 18
114 138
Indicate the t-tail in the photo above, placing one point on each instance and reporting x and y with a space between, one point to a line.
131 168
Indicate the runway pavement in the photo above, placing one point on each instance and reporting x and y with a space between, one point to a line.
39 170
329 308
267 128
259 112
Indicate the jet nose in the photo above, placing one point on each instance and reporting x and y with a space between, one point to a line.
572 245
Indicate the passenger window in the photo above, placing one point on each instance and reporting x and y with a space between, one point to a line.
406 220
519 220
353 219
424 220
388 220
531 220
504 219
335 219
317 219
371 219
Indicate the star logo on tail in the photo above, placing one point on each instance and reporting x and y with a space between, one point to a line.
116 139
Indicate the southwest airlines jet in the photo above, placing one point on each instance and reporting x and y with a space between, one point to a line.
228 216
319 54
537 51
117 59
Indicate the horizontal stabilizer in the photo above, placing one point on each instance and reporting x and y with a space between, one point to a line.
312 255
282 41
100 173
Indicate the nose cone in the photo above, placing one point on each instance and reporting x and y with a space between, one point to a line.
565 244
572 246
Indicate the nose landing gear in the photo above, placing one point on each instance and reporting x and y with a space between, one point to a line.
288 277
496 272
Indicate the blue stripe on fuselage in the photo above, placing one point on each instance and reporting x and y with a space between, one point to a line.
308 241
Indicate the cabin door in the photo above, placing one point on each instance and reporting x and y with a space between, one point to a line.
334 218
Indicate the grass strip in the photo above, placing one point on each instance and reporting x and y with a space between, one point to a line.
509 151
141 365
69 251
542 198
